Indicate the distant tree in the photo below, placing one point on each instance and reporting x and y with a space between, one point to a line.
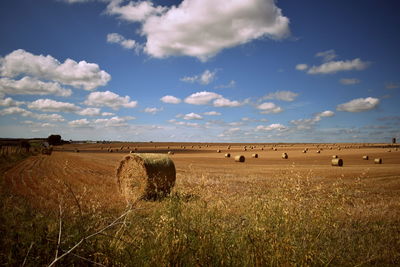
54 140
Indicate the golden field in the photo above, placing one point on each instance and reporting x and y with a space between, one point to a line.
66 208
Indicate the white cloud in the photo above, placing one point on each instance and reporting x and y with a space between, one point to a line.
192 116
282 95
336 66
326 113
271 127
32 86
202 28
349 81
301 66
170 99
201 98
9 102
212 113
116 38
231 84
184 123
113 122
76 1
109 99
82 123
134 11
107 114
269 107
223 102
77 74
48 105
205 78
152 110
89 112
359 105
27 113
327 55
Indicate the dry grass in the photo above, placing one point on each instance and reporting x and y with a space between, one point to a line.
212 217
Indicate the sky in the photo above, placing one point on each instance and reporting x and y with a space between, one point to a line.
200 70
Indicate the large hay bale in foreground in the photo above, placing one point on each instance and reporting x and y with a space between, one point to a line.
146 176
337 162
240 158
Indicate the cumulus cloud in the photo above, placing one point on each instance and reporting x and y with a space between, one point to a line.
48 105
115 38
327 55
81 74
202 28
205 78
271 127
89 112
359 105
152 110
82 123
201 98
9 102
349 81
212 113
281 95
113 122
109 99
184 123
192 116
169 99
301 66
32 86
26 113
223 102
336 66
269 107
305 124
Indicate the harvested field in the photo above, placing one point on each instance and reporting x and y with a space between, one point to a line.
269 211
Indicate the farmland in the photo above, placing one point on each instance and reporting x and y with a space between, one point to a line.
264 211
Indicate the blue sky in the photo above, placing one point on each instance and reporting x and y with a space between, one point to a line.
201 70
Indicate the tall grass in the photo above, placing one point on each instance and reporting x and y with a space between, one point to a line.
218 220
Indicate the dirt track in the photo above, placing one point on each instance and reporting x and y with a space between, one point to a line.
89 176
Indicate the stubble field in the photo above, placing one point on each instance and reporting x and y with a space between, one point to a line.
265 211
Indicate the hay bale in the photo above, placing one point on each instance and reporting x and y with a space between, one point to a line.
227 155
145 176
335 156
304 151
47 151
389 150
240 158
378 161
244 149
318 151
170 152
284 155
365 157
275 149
218 151
254 156
76 150
337 162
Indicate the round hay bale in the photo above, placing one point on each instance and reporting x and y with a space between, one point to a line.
218 151
146 176
284 155
275 149
244 149
254 156
262 148
389 150
76 150
337 162
335 156
304 151
47 151
227 155
240 158
365 157
318 151
378 161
